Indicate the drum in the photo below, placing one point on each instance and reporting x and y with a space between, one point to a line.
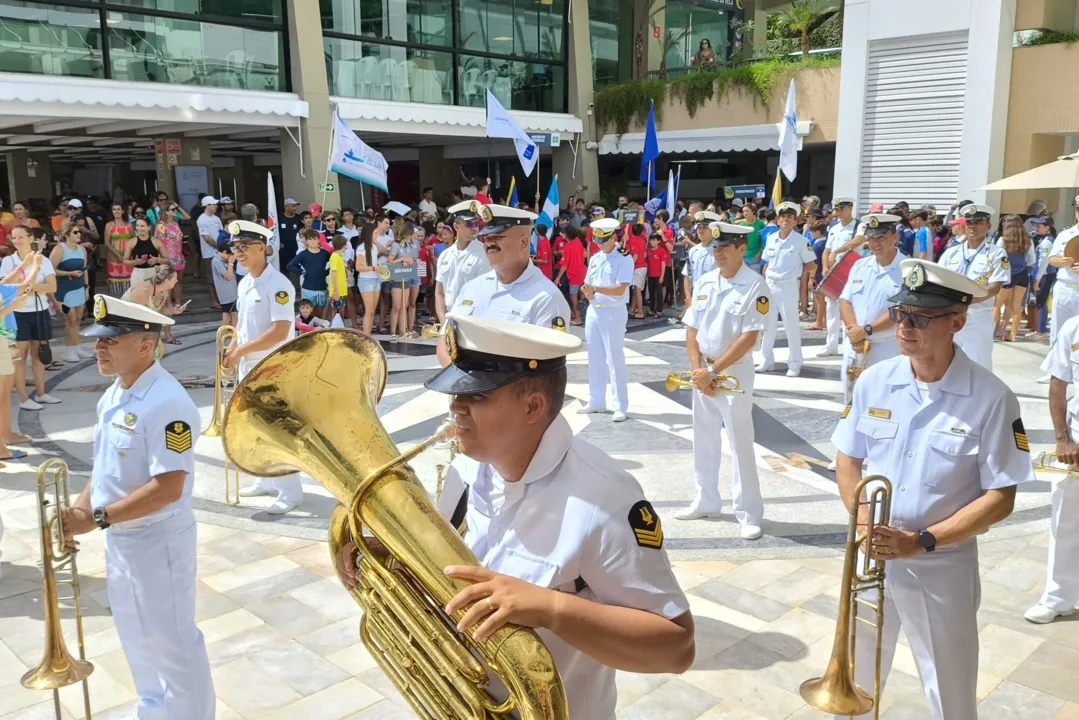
831 285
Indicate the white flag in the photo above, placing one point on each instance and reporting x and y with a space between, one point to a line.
501 124
271 223
672 198
353 158
788 137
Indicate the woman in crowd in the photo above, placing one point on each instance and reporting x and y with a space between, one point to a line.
69 259
13 288
403 293
118 234
367 279
154 292
1021 258
705 59
384 239
167 234
145 253
749 218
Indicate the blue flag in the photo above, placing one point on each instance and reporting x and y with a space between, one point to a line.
651 149
550 208
512 202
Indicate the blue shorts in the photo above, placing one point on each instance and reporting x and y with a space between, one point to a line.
386 287
413 282
368 285
317 297
574 289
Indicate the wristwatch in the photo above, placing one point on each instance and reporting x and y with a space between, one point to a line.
712 372
868 330
101 517
927 540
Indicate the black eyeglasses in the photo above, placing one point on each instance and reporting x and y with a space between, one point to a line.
917 321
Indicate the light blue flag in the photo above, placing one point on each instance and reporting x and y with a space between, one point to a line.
500 124
353 158
549 213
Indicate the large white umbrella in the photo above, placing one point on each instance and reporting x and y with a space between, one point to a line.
1061 173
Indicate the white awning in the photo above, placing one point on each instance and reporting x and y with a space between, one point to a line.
414 118
715 139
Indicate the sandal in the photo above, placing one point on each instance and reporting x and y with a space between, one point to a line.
15 455
18 440
174 341
55 365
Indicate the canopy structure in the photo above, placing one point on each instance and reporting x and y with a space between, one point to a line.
1061 173
716 139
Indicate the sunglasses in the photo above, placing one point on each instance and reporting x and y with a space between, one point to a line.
172 209
917 321
241 247
75 232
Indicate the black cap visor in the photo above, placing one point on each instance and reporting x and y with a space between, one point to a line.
500 226
924 299
100 330
247 237
452 380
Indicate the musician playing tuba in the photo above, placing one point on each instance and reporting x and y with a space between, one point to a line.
567 541
948 435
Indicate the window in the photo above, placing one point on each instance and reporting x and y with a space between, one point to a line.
50 40
530 28
419 22
610 63
517 85
374 71
251 10
699 21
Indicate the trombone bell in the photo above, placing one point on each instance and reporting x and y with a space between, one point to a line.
430 332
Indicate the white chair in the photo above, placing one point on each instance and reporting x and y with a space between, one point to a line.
503 91
400 82
488 81
386 68
470 85
368 79
238 65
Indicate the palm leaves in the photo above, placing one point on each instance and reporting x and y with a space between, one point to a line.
802 17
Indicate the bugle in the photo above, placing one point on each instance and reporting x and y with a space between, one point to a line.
835 692
226 339
58 668
291 412
684 381
1048 463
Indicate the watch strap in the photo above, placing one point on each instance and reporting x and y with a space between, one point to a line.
927 540
101 517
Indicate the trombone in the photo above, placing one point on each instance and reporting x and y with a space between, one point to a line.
431 331
58 668
835 692
1048 463
226 338
684 380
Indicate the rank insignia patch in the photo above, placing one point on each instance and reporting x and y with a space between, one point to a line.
99 309
846 411
559 324
281 297
762 305
646 525
1004 262
1020 434
178 436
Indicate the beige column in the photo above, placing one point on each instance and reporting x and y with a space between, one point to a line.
579 77
303 171
432 172
28 177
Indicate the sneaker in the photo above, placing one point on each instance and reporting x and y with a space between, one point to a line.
697 510
619 416
86 353
259 487
47 399
794 372
590 410
282 506
1044 379
70 354
751 532
830 352
30 405
831 466
764 367
1041 614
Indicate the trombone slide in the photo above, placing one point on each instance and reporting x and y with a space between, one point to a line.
1048 463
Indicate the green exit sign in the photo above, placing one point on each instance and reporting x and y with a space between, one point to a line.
325 187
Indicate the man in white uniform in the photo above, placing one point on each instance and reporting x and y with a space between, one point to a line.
265 321
1066 288
947 433
699 258
986 264
864 302
209 227
787 254
722 325
463 261
140 495
839 235
567 541
606 286
1062 576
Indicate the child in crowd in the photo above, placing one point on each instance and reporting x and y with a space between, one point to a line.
337 281
223 267
657 259
542 258
819 239
572 265
306 320
310 263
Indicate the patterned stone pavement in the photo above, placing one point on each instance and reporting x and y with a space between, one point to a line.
282 634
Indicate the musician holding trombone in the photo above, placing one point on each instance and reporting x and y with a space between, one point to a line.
1062 574
947 433
729 310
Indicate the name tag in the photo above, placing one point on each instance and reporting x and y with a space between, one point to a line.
1075 346
959 431
856 282
705 297
878 413
466 303
129 431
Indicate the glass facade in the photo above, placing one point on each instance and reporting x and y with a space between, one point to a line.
228 43
448 52
700 20
610 29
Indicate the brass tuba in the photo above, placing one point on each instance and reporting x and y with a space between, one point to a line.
301 408
58 668
226 339
684 381
835 692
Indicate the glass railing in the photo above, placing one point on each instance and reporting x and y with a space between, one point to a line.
517 85
372 71
50 40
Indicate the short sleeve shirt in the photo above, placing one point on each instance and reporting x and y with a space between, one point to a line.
607 270
1062 362
531 298
868 288
838 236
261 301
700 260
226 289
456 267
35 302
726 308
209 226
942 447
986 264
786 257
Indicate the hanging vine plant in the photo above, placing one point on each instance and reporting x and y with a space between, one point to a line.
628 102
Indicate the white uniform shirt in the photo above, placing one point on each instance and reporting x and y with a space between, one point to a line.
700 260
211 227
146 430
1062 362
1065 274
988 258
1045 246
725 308
456 267
786 257
867 290
940 452
260 302
607 270
838 236
33 302
531 298
551 527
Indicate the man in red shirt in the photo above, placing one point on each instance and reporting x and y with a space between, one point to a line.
573 266
659 258
636 246
482 189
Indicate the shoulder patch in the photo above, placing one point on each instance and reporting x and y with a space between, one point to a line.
1021 442
845 413
762 305
281 297
559 324
178 436
646 525
1004 262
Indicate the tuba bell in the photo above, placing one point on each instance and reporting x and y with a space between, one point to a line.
58 668
226 339
301 409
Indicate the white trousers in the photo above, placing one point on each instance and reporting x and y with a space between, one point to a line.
878 352
1065 306
934 598
976 337
834 326
288 487
732 414
605 334
1062 575
785 301
150 576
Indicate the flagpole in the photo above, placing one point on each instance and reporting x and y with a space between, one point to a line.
648 183
329 156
